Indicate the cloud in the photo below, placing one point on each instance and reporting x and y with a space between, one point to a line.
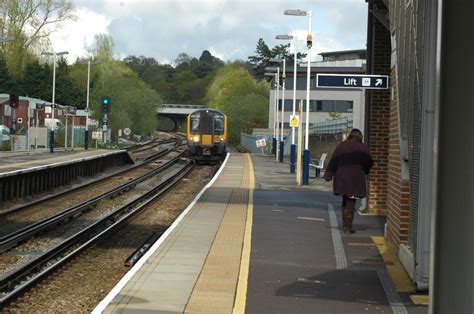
230 28
76 36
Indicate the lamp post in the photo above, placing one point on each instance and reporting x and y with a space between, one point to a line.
275 110
86 132
309 41
276 113
53 125
293 145
282 143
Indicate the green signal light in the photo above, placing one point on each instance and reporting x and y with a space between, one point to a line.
106 101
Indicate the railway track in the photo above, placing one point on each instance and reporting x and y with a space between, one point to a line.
10 240
23 278
9 218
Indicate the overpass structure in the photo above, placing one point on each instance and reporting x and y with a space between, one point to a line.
172 117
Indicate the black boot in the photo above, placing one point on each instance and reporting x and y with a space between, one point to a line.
349 219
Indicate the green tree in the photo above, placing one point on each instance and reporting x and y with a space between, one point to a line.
67 93
244 100
261 59
134 103
186 83
157 76
103 47
6 83
37 81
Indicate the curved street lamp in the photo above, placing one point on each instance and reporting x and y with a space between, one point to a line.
275 147
282 144
293 145
53 125
86 132
306 153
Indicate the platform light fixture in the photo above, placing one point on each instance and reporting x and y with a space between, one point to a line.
309 41
296 12
295 60
275 106
53 125
86 133
281 144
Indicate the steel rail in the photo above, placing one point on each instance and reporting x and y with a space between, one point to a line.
153 145
144 201
120 172
13 238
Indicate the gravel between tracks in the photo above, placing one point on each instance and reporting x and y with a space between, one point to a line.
78 287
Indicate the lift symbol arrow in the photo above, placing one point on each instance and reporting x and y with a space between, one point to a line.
378 82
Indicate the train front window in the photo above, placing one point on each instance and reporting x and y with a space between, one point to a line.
195 118
219 124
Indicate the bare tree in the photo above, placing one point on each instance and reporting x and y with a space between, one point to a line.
30 22
37 19
103 47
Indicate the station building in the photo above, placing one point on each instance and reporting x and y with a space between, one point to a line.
28 109
419 131
323 101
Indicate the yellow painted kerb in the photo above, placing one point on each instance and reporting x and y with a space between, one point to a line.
395 269
241 295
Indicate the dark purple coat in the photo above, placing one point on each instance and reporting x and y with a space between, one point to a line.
349 165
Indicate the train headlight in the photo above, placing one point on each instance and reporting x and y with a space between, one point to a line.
196 138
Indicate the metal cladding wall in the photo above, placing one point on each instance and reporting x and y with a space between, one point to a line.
407 21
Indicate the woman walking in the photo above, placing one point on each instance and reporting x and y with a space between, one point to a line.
349 164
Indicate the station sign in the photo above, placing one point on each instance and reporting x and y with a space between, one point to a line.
97 135
294 121
261 142
352 81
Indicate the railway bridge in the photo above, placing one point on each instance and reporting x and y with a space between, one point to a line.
172 117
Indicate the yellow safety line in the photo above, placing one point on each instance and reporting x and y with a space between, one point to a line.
420 299
241 295
397 272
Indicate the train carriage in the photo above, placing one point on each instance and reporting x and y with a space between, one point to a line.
207 135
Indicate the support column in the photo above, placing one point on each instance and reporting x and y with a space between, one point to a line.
453 256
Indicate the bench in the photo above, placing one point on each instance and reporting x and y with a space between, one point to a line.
318 164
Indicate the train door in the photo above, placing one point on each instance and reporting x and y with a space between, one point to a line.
207 132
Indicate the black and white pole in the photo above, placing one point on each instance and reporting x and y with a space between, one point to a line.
307 153
282 143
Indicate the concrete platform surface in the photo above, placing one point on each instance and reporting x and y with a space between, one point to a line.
12 163
255 242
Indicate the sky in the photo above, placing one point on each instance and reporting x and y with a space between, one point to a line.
229 29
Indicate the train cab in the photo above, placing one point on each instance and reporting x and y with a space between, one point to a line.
207 135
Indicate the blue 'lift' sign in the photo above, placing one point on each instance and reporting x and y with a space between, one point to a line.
352 81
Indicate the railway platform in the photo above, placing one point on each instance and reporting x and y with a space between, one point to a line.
254 242
15 162
25 174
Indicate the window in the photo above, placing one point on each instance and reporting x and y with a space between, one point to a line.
195 122
219 123
335 106
288 105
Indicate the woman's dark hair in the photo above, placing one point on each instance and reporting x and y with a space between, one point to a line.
355 135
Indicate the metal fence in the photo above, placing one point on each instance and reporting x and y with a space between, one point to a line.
248 141
333 126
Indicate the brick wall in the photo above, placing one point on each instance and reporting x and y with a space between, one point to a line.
398 189
379 121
